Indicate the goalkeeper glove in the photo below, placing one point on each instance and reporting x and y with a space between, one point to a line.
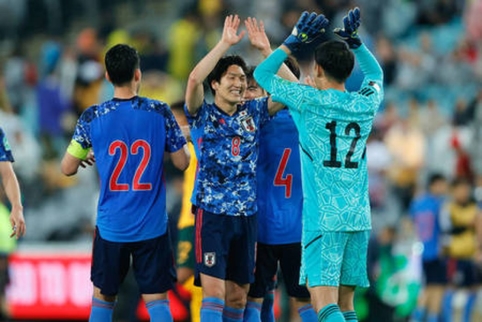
309 27
349 33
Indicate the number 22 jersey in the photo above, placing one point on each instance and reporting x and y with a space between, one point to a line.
129 138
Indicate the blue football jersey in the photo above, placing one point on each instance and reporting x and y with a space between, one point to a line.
425 212
227 151
333 128
129 138
5 150
280 196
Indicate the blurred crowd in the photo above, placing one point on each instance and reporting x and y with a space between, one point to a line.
51 55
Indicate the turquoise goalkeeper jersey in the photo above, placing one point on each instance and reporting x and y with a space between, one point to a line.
333 128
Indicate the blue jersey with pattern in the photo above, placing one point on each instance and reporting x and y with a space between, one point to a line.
227 151
129 138
425 212
280 197
333 128
5 150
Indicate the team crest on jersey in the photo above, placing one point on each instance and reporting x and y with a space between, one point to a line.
210 259
5 144
247 121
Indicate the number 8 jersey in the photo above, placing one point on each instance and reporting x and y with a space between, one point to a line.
333 128
129 138
227 152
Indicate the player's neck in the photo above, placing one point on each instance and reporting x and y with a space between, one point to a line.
227 107
323 84
124 92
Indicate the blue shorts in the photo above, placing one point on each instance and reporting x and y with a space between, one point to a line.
334 258
435 271
152 262
225 246
267 258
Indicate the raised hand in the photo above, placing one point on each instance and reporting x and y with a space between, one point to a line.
349 33
257 35
309 27
230 30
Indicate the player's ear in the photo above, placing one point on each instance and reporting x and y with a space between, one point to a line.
319 72
137 75
107 76
214 85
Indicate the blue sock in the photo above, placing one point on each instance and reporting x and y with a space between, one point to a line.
431 317
212 309
469 306
418 314
330 313
159 311
350 316
231 314
307 313
447 305
101 311
252 313
267 309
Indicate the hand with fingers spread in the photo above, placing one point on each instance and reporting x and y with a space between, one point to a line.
230 31
309 27
349 33
257 35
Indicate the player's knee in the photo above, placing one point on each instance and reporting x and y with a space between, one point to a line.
237 298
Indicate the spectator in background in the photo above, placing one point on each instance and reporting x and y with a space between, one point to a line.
459 219
425 213
406 144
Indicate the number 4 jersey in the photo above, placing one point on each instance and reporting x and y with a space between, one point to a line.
280 197
129 138
333 128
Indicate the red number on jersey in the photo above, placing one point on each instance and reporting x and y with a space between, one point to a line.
121 162
235 146
287 181
114 185
146 156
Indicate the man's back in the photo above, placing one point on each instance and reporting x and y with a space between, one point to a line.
334 127
129 138
280 196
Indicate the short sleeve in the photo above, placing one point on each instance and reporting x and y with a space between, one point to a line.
259 106
5 150
200 115
82 129
175 140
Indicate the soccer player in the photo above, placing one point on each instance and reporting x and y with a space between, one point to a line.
129 136
16 218
11 187
425 211
226 133
280 203
333 126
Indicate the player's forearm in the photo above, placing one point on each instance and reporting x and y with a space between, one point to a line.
11 186
368 64
265 72
194 90
207 64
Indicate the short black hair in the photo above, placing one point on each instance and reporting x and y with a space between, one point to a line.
434 178
293 65
222 66
336 59
290 62
121 61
